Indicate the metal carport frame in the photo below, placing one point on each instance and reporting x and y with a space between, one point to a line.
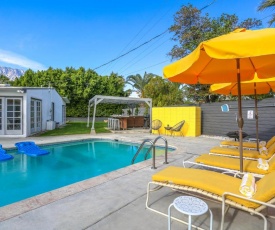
116 100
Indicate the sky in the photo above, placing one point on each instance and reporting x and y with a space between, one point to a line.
38 34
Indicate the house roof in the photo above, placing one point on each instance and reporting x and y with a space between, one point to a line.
66 100
24 89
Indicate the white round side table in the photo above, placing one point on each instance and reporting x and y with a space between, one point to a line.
191 206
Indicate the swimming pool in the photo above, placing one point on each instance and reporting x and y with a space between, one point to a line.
67 163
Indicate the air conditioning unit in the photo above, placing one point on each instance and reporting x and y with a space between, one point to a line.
50 125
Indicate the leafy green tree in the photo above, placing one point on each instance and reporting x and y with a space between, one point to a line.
4 80
79 85
190 28
163 92
266 4
27 79
138 82
198 94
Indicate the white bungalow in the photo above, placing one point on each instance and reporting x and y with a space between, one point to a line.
25 111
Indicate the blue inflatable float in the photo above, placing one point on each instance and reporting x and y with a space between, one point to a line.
3 155
30 148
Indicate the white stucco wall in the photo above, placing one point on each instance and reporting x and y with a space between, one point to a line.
45 95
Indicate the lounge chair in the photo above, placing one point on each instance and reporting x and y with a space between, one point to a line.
248 154
30 148
177 128
246 144
3 155
156 125
217 186
230 164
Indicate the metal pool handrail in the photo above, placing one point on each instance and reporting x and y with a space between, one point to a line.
140 147
154 151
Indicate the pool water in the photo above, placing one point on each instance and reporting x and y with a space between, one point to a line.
67 163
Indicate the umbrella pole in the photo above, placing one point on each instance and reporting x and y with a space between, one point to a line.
256 117
240 118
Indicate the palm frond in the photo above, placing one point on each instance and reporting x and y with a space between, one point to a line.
266 4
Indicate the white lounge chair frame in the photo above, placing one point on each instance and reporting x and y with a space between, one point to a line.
236 173
227 155
226 170
215 197
252 140
236 147
237 156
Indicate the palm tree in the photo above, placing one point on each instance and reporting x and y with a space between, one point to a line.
267 4
138 82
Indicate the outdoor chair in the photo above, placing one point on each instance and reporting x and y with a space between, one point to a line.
247 154
156 125
231 165
177 128
219 187
247 144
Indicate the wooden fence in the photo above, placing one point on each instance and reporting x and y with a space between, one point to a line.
216 122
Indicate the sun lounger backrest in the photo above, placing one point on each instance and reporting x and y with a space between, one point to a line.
270 142
265 188
271 164
271 149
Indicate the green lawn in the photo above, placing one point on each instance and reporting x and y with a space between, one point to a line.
76 128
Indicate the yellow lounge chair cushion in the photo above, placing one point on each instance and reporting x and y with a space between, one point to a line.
215 183
270 142
265 188
234 163
246 153
248 144
251 145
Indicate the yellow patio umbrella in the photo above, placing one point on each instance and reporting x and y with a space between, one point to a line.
254 87
232 57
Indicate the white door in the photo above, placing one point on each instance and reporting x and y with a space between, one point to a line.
14 116
36 121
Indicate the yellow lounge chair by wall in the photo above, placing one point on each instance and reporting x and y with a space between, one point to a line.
249 154
246 144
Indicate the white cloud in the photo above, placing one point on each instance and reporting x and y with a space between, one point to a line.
16 59
134 94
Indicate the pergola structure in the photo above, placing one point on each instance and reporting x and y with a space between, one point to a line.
116 100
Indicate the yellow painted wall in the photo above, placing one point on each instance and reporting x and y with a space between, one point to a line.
173 115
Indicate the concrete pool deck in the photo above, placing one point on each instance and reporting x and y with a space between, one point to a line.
116 200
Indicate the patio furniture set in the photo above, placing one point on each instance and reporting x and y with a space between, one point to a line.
232 56
202 181
157 124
